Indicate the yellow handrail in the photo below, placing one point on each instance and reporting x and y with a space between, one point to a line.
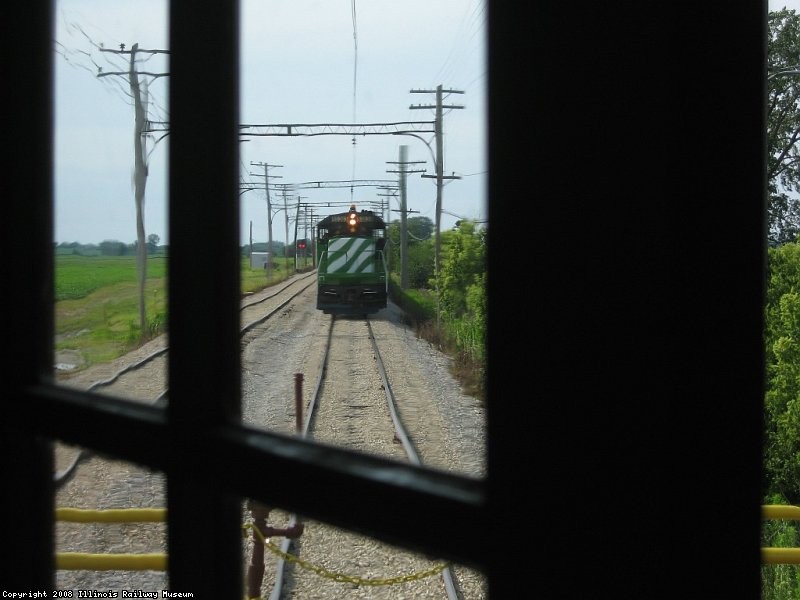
111 562
112 515
780 556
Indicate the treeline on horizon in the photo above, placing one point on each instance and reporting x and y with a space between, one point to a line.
117 248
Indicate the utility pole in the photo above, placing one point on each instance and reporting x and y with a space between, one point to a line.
306 222
386 207
403 171
388 192
296 223
296 220
286 232
440 176
269 211
140 159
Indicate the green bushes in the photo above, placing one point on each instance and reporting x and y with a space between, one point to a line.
782 413
779 582
418 304
782 358
451 310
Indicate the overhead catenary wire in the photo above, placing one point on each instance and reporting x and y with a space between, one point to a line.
471 26
355 84
459 46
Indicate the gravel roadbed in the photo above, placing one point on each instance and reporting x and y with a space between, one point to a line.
450 437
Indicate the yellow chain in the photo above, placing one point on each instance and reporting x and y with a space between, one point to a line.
341 577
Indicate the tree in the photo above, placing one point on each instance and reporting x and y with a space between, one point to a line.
783 125
420 250
420 228
420 263
152 243
463 264
112 248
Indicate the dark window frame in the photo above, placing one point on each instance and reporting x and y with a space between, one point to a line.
607 433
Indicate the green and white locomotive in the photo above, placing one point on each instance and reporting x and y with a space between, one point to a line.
351 266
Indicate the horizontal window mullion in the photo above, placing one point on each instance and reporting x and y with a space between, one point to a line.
397 502
107 425
431 511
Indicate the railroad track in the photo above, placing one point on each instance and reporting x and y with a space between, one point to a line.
353 405
254 311
86 480
281 330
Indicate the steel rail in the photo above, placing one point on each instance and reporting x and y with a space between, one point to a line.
66 474
447 574
451 587
286 544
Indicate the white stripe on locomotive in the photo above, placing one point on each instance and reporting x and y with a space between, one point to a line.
351 255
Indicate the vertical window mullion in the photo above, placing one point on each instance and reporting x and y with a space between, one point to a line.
204 364
26 459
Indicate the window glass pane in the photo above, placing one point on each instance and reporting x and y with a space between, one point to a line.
110 301
111 76
328 123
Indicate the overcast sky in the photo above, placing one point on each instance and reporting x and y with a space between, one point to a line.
302 61
779 4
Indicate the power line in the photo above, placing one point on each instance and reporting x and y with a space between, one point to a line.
355 79
468 38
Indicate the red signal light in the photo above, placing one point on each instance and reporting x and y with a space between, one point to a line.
301 245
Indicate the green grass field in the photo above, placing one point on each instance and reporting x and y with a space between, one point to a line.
78 276
97 310
97 303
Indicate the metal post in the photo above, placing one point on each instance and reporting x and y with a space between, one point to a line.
269 223
403 221
286 235
298 401
255 570
439 173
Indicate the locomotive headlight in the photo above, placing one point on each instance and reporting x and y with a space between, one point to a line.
352 221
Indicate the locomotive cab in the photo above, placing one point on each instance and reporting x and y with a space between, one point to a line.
351 272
